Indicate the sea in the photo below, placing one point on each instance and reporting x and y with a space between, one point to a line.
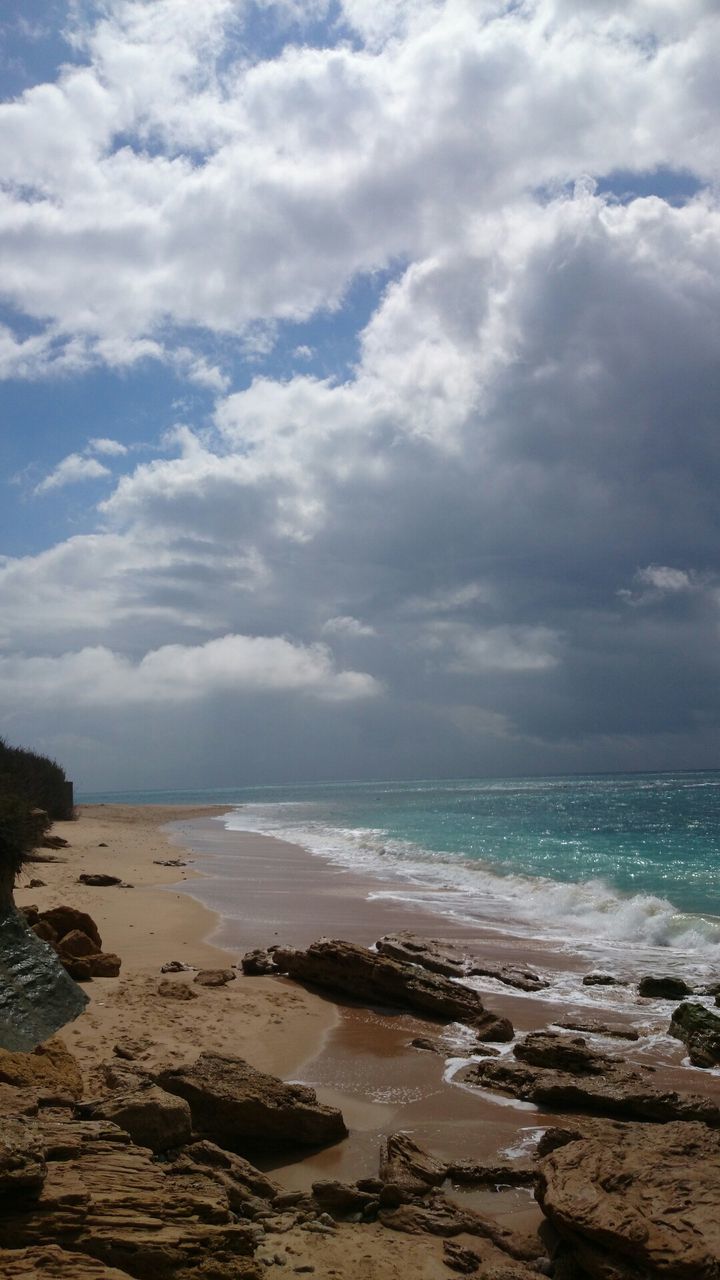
609 865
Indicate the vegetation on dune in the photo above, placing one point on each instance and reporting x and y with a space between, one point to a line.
33 793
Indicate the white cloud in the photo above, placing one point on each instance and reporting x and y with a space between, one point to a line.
72 469
111 448
344 625
468 650
176 674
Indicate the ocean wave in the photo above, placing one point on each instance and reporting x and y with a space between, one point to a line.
583 913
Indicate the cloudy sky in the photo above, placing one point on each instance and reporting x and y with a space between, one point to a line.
360 387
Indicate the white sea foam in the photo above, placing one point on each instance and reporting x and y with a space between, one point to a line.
589 915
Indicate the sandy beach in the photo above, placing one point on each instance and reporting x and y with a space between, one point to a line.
358 1059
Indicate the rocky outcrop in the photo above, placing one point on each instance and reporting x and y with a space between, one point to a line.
50 1068
405 1165
48 1262
563 1073
104 1197
450 961
376 979
699 1029
636 1201
233 1103
258 962
663 987
98 879
22 1159
152 1117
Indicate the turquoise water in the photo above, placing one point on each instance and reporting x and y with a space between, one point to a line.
623 856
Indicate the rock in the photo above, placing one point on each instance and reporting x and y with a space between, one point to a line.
79 969
37 996
582 1080
65 919
664 987
424 1042
43 930
466 1261
234 1103
176 990
641 1204
104 965
442 1217
214 977
617 1030
341 1199
54 842
48 1262
169 862
98 879
447 959
602 980
105 1197
405 1165
380 980
50 1067
22 1158
699 1029
36 884
176 966
75 945
152 1117
517 1173
258 962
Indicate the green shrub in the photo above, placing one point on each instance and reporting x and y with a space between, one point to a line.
35 778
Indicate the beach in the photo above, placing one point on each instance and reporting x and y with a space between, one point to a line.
358 1059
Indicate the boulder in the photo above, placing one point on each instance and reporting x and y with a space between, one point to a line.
699 1029
104 964
258 962
602 980
636 1203
214 977
341 1199
79 969
50 1067
450 961
571 1077
98 879
152 1117
37 997
22 1158
65 919
405 1165
664 987
376 979
233 1103
44 930
76 945
176 990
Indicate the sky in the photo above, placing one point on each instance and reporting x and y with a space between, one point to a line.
359 388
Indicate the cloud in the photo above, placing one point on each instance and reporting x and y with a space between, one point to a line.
169 180
347 626
71 470
112 448
97 677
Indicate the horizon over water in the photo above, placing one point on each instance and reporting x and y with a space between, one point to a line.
619 858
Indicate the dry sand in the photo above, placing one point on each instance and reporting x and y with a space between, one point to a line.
358 1059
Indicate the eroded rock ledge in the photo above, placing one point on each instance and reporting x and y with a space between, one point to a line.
375 979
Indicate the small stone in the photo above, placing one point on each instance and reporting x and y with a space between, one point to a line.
176 966
214 977
98 879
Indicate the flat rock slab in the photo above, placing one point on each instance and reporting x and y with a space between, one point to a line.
376 979
638 1202
152 1117
233 1103
49 1262
452 962
563 1073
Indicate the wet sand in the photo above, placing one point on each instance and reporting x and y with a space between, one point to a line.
271 891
